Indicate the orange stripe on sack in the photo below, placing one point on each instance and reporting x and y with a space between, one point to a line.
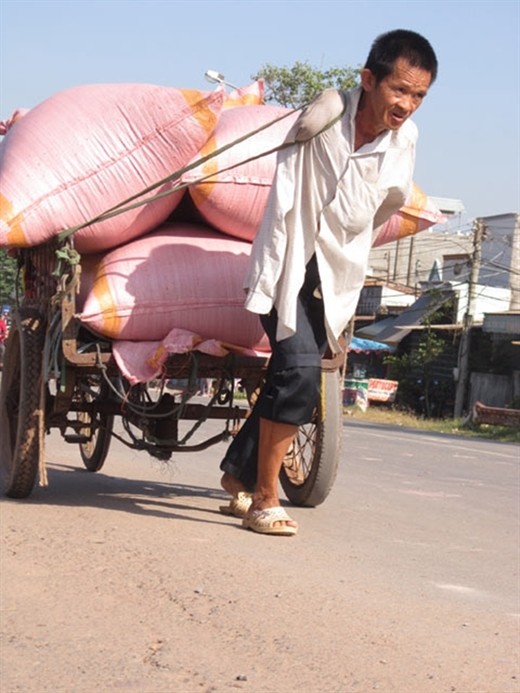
200 192
409 223
419 198
201 108
156 360
243 100
107 306
205 116
15 237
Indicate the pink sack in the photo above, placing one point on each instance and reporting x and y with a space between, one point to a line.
181 276
86 149
234 201
144 361
6 125
252 95
418 214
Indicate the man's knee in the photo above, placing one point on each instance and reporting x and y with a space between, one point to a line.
291 395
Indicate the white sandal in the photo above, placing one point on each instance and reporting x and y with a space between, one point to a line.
263 522
239 505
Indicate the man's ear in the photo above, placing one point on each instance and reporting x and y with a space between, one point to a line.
368 79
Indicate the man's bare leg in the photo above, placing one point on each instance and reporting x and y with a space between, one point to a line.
232 485
274 441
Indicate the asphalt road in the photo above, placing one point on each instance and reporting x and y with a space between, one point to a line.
406 579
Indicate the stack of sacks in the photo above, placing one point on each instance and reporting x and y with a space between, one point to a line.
85 150
168 287
173 290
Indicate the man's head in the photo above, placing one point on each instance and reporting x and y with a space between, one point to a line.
397 75
412 47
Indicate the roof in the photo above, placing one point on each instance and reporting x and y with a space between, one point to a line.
502 323
447 205
393 330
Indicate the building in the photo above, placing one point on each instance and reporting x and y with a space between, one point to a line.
438 268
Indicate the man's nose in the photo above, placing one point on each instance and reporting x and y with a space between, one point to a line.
407 104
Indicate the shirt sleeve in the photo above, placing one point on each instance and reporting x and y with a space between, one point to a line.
269 245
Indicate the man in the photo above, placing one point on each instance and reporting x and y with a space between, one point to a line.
310 256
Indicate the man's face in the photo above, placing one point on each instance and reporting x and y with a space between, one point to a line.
393 100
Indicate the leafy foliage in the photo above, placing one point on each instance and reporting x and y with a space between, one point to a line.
8 272
295 86
422 359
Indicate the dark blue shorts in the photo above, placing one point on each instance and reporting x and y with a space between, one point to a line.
292 386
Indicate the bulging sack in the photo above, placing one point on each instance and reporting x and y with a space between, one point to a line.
418 214
252 95
86 149
182 276
234 200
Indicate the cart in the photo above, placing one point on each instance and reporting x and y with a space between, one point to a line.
58 374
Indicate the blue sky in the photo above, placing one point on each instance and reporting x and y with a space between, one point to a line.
469 124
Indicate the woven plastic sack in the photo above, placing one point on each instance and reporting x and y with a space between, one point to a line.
6 125
418 214
234 200
181 276
252 95
86 149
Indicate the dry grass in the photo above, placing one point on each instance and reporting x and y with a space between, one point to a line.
386 415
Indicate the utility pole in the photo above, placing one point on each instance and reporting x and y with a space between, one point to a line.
410 256
515 267
396 257
465 339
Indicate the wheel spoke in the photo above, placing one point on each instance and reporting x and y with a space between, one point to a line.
310 466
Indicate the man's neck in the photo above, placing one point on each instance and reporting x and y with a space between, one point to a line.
365 130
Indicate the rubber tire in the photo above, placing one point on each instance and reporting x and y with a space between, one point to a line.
310 468
94 453
21 417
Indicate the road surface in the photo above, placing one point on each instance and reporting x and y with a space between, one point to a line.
406 579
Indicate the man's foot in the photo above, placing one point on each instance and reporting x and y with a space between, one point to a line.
270 521
241 499
277 520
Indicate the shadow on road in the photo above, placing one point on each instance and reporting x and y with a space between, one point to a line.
75 487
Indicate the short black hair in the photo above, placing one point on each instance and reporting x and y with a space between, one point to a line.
400 43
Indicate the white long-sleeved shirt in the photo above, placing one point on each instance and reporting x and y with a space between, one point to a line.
327 199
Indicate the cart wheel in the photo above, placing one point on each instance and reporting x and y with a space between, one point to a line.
99 430
21 414
311 465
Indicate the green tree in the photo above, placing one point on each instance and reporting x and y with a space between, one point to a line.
8 272
429 349
421 360
295 86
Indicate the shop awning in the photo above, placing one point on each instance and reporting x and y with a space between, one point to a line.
368 345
